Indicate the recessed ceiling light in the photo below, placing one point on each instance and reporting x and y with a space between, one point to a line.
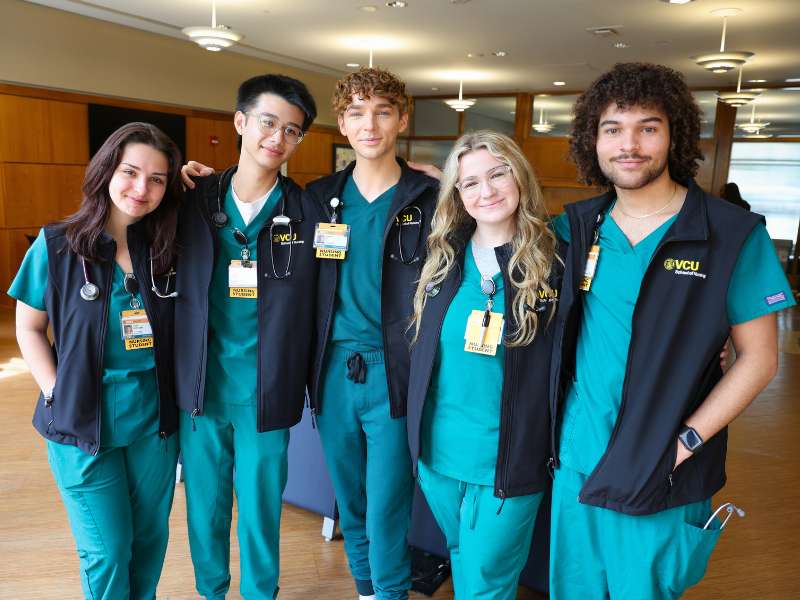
677 1
353 65
397 4
621 45
500 53
470 55
756 81
559 83
370 8
434 89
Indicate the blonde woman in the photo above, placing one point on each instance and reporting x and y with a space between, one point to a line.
478 393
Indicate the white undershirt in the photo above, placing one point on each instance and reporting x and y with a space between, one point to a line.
249 210
486 260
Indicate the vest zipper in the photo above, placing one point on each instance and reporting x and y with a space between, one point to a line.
103 327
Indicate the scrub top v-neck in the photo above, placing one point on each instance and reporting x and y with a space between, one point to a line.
233 339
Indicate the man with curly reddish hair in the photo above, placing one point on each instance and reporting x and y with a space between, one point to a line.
375 217
658 274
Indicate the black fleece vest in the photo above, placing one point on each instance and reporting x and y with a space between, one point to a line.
524 440
79 329
679 326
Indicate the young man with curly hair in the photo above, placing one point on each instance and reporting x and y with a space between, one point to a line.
376 214
658 274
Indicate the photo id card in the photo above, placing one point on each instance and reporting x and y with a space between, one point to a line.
136 330
243 281
483 340
332 240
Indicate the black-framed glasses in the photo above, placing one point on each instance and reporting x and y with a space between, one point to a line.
269 124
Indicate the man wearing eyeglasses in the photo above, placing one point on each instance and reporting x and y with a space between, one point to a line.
246 281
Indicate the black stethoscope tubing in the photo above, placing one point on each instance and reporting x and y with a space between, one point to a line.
219 219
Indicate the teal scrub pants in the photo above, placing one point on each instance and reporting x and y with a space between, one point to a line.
118 504
600 553
487 550
223 453
366 451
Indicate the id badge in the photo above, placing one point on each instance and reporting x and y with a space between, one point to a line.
480 340
243 281
136 330
332 240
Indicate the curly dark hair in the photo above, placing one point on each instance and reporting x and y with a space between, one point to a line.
369 82
638 84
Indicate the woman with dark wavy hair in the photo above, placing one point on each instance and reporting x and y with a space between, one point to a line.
658 274
103 280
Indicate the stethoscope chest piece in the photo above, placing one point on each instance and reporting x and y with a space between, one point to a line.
219 219
89 291
488 287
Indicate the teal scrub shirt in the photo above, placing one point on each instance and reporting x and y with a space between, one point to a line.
129 409
592 404
461 419
233 322
357 316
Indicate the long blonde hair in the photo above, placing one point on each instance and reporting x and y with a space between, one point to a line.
533 244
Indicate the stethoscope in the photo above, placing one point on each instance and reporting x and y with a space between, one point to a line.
90 291
220 221
404 219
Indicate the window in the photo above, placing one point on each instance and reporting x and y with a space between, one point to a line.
768 176
497 114
552 115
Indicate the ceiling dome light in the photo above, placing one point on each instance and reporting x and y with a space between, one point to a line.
753 127
461 104
677 1
397 4
722 61
740 97
214 38
542 126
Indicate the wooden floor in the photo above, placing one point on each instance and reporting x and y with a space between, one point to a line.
756 557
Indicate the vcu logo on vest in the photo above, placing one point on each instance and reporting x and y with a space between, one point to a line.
684 266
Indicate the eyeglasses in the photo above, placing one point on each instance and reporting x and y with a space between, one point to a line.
498 179
269 125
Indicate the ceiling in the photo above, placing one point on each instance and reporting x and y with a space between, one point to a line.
427 42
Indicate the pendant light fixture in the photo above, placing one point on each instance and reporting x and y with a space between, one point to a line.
542 126
753 127
724 61
216 37
460 105
740 97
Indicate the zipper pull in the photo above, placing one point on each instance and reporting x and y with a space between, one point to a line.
669 478
551 467
195 412
503 496
313 418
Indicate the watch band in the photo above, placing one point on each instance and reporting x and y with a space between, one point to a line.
690 439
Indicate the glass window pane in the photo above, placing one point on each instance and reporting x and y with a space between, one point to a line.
497 114
708 104
552 115
768 176
430 152
434 117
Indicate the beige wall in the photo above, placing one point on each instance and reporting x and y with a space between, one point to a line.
47 47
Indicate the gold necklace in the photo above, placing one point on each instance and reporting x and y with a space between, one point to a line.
652 214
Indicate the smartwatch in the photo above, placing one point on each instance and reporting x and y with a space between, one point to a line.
690 439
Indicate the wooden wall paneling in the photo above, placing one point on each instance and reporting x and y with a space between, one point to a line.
556 197
199 132
24 130
522 120
723 134
705 174
38 194
13 246
549 157
314 154
68 132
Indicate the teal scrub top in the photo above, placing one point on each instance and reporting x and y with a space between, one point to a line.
129 408
357 316
231 371
594 398
461 419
